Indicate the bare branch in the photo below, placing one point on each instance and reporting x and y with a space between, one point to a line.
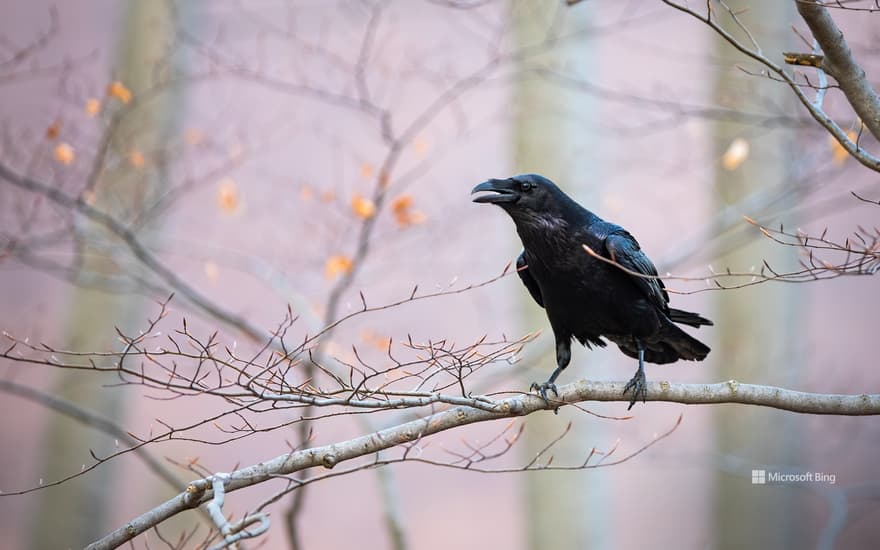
40 42
137 249
853 148
840 63
328 456
88 418
232 533
857 255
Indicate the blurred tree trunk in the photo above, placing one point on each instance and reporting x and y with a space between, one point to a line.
563 511
755 327
78 512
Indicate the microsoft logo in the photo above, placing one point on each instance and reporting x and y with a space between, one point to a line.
763 477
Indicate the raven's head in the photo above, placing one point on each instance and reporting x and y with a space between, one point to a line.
530 199
528 191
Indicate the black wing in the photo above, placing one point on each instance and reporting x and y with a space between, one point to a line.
522 269
624 249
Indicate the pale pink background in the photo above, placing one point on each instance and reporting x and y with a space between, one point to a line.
656 170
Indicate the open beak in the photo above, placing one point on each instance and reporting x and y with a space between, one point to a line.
499 191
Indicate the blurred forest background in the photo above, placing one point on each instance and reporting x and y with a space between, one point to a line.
248 157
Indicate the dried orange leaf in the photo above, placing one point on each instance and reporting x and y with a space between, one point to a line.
363 207
421 146
337 265
119 91
404 215
737 152
367 170
93 106
838 153
401 203
64 153
306 192
136 159
53 130
212 271
376 340
227 196
415 218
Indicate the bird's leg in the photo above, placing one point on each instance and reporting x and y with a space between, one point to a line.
548 385
563 357
638 384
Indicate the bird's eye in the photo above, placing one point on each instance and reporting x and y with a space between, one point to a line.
525 186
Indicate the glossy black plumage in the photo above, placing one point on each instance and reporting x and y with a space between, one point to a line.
586 298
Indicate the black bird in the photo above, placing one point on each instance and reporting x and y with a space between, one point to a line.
587 298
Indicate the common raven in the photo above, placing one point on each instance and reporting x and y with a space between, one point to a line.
587 298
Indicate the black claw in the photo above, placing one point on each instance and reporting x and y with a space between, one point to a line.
542 391
639 386
543 387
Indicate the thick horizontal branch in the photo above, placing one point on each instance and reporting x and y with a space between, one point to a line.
328 456
733 392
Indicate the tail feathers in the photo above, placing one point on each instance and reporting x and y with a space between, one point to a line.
659 352
670 345
686 346
687 318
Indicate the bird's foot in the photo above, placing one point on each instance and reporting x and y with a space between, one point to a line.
639 386
542 390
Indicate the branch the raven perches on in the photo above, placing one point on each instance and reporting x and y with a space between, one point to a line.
584 297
